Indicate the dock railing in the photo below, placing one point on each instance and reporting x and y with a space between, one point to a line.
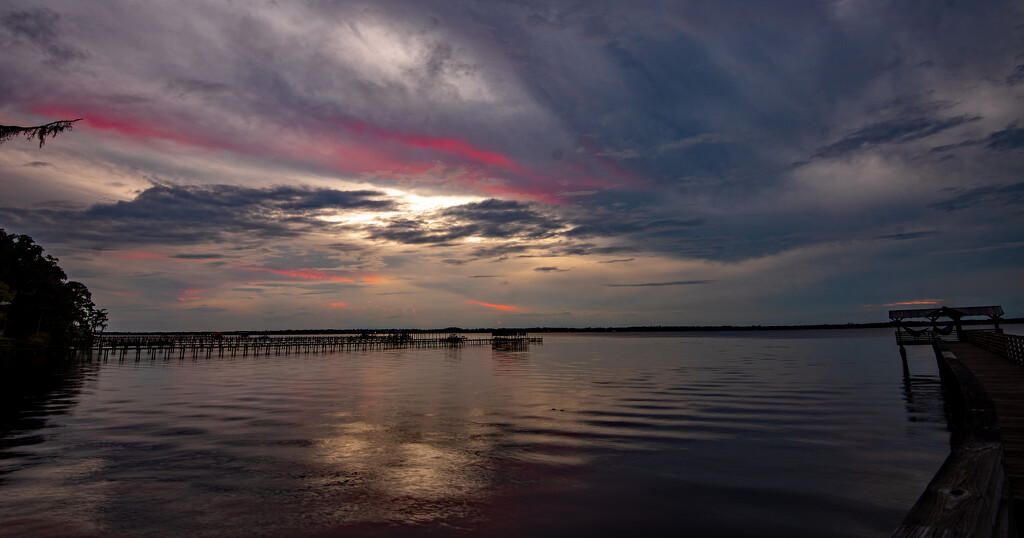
1009 346
907 337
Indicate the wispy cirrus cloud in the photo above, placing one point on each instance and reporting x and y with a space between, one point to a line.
661 284
142 255
1008 139
316 274
892 131
42 29
958 198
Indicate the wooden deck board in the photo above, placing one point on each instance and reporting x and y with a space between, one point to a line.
1004 382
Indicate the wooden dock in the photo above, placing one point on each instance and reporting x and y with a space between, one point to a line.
979 490
181 346
1004 382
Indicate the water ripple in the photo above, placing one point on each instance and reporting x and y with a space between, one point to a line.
594 434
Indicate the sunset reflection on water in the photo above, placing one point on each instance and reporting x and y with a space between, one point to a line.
595 434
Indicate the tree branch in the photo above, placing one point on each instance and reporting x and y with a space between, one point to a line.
8 132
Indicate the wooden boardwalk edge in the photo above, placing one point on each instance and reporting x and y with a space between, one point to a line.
970 494
967 497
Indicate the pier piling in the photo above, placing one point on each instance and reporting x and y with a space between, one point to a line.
193 345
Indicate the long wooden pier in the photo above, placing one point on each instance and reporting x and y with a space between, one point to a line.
979 491
194 346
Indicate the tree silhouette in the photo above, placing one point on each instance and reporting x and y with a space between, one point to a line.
40 298
40 132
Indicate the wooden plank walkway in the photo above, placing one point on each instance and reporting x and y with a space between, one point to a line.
1004 383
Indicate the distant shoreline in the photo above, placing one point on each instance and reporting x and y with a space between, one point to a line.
632 329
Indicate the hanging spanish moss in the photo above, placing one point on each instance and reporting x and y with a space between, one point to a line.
8 132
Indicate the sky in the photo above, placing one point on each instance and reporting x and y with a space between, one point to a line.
250 165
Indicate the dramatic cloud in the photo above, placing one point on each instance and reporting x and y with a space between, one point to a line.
182 214
567 158
487 219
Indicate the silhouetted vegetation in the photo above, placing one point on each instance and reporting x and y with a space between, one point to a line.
37 301
39 132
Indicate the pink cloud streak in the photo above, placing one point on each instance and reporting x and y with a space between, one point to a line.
190 294
141 129
370 149
916 302
502 307
315 274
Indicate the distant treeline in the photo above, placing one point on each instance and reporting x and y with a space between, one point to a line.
644 328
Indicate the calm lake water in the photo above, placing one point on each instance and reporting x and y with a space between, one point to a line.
732 434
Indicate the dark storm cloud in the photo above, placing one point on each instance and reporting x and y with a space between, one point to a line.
487 219
613 223
561 249
767 76
181 214
500 218
905 236
891 131
502 251
414 232
1017 76
1007 139
528 229
993 196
